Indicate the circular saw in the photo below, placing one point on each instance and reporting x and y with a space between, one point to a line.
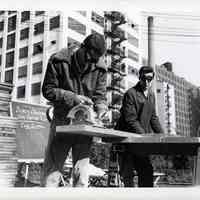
83 114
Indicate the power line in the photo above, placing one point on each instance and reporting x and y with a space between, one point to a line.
175 16
176 34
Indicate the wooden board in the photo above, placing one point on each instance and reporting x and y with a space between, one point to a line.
122 136
93 131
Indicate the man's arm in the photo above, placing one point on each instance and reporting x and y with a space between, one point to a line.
51 90
99 96
130 114
155 123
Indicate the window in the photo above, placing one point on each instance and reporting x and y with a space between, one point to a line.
1 42
35 89
10 59
0 60
22 71
24 33
11 12
132 40
21 91
158 90
37 68
38 48
9 76
39 28
54 22
53 42
12 23
11 41
1 25
98 19
82 12
76 26
39 13
25 16
23 52
2 12
132 55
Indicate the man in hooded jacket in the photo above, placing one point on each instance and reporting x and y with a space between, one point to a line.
72 78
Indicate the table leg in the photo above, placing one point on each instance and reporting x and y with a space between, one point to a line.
26 174
197 168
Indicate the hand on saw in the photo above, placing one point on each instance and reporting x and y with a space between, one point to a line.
85 100
103 115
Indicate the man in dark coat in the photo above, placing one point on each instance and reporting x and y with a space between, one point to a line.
73 77
138 115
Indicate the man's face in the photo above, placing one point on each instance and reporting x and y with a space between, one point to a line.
93 56
146 81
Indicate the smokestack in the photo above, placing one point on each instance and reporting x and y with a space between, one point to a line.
150 42
151 61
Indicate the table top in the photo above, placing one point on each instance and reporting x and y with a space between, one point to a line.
124 137
145 144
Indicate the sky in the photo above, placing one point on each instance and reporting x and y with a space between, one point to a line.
177 40
183 51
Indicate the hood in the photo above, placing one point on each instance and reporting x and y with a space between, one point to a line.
66 53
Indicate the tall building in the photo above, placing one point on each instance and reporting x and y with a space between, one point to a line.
28 38
182 98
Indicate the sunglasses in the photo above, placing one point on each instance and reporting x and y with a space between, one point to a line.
147 78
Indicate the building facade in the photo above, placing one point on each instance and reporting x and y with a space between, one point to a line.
28 38
181 98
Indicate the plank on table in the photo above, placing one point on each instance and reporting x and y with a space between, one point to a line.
93 131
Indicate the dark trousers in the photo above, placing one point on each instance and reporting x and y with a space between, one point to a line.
142 164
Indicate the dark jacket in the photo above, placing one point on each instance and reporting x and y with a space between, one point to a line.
63 80
138 113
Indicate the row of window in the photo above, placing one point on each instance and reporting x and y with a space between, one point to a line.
35 90
25 13
24 33
38 28
36 69
22 72
35 87
23 53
